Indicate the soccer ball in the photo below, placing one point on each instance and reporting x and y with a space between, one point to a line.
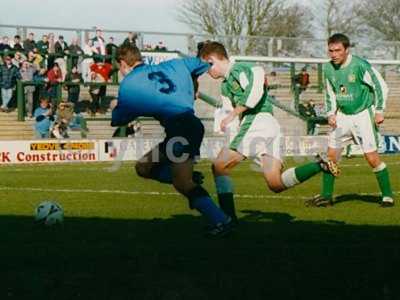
49 213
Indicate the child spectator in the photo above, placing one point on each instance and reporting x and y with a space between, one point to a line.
65 114
44 119
9 74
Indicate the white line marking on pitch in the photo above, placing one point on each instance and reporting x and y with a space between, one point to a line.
60 168
249 196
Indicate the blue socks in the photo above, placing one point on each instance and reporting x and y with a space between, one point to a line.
209 210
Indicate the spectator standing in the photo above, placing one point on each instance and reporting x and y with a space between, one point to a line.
27 71
17 43
29 43
60 47
51 52
54 78
130 40
74 90
89 50
75 51
44 118
9 74
100 73
5 45
100 45
110 48
43 45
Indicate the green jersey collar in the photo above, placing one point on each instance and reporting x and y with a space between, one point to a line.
347 62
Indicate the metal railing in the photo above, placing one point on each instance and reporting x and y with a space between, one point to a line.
237 45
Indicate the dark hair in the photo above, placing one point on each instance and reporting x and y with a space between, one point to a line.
17 37
130 54
200 46
339 38
210 47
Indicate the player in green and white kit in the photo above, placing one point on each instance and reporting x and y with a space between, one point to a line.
259 133
355 100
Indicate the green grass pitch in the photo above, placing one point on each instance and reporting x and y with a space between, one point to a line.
128 238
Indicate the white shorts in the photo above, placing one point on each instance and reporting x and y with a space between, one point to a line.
258 135
359 128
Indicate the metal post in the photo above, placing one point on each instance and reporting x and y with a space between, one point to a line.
20 101
79 37
69 63
292 73
296 98
59 93
320 79
122 131
24 33
114 64
383 71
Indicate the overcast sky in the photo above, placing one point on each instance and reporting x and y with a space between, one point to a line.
148 15
134 15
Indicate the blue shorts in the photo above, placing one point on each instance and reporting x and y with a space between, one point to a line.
185 134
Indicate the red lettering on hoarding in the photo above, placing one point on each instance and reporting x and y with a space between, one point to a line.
5 157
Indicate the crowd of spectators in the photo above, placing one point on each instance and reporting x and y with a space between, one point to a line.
42 65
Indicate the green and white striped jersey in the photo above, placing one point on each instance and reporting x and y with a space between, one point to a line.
244 86
353 87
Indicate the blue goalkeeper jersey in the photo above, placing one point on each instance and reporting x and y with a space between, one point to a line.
161 91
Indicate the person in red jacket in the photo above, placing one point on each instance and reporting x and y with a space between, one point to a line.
100 73
54 78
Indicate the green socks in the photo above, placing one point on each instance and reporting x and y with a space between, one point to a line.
382 175
307 171
328 182
294 176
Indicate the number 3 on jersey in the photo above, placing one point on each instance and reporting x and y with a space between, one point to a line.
168 86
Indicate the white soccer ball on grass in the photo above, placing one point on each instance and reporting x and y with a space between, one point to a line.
49 213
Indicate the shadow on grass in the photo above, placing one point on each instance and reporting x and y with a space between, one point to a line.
357 197
270 256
